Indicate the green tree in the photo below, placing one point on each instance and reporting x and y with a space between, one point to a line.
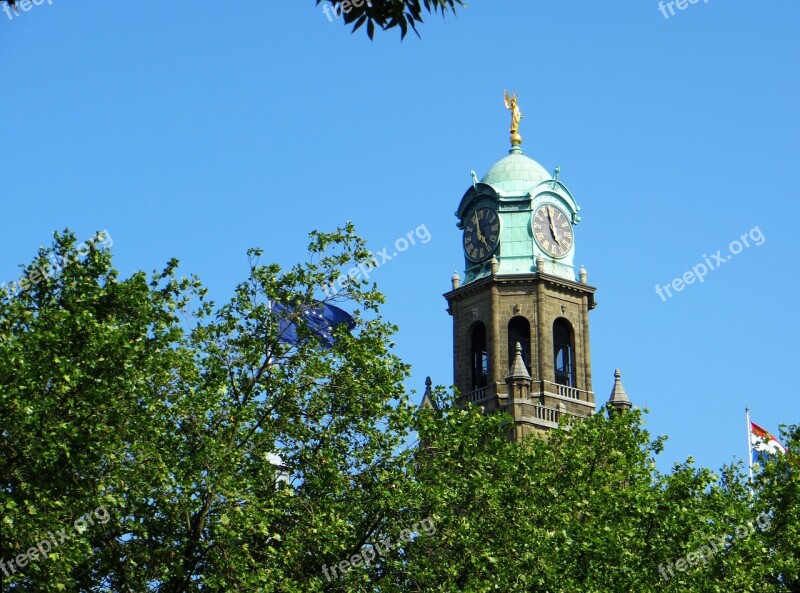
778 491
585 510
376 14
142 398
145 399
387 14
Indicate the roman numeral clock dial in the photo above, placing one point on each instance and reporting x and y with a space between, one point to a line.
481 234
553 230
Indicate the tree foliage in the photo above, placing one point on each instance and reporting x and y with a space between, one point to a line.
376 14
147 399
388 14
142 397
587 510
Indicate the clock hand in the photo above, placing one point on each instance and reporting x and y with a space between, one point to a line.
478 232
552 226
477 227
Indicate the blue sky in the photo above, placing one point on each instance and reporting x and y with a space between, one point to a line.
197 133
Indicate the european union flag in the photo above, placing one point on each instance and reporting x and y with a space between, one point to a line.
321 319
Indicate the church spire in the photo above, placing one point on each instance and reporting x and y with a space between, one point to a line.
518 369
427 399
619 399
519 379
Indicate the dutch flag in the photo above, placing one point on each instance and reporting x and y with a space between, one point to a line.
763 442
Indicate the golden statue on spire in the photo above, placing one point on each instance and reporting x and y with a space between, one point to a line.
511 105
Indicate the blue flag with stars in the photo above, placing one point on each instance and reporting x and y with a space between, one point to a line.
321 319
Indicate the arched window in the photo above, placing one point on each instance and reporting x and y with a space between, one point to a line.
519 330
564 353
480 357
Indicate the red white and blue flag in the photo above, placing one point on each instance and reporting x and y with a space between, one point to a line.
763 442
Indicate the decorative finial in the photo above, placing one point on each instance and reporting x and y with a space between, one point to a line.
619 399
555 177
540 264
456 280
474 178
583 275
511 105
494 265
427 398
518 369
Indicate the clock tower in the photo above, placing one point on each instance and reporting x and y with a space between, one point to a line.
521 313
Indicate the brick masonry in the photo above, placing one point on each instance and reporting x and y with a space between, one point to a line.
541 299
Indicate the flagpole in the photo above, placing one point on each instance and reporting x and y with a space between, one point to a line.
749 443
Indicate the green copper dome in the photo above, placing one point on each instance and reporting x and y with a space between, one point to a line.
516 172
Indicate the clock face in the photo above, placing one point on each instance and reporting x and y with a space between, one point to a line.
481 234
552 230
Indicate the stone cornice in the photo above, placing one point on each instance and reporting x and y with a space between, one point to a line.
467 290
